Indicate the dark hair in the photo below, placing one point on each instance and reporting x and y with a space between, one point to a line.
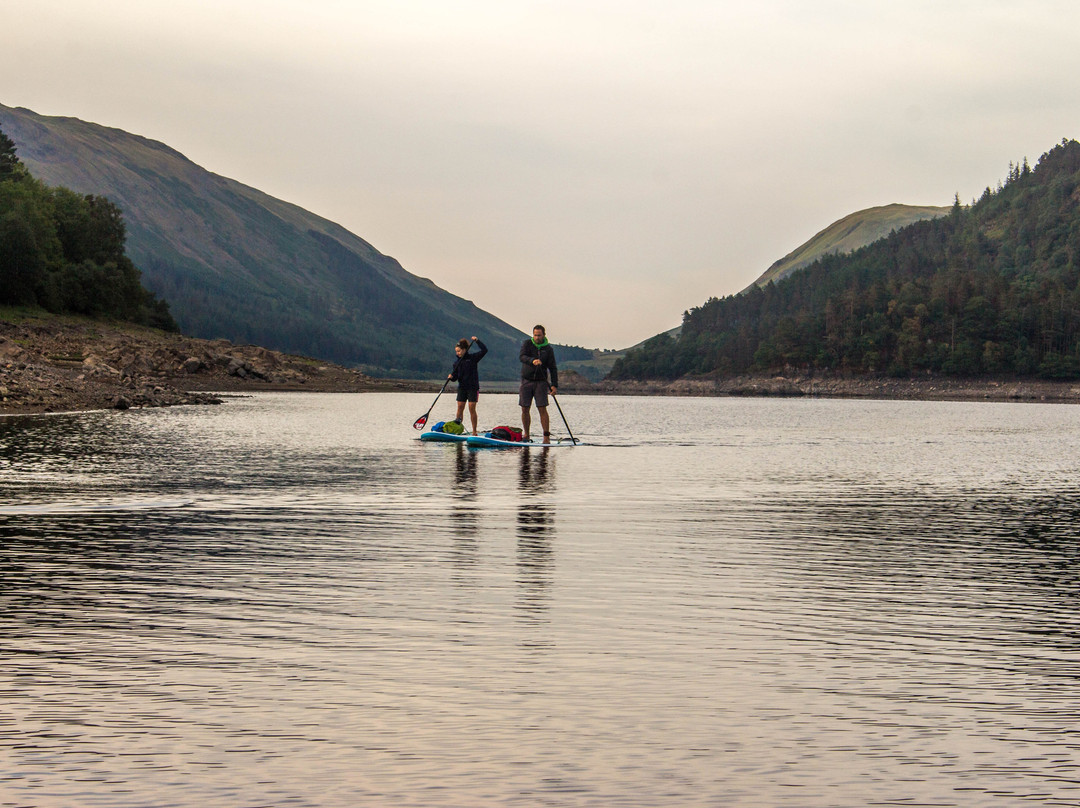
541 328
463 344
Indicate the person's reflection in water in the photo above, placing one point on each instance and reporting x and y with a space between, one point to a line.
535 530
464 512
464 473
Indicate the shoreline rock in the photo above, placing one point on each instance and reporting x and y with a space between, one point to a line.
63 364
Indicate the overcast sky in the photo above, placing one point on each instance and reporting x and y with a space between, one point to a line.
596 166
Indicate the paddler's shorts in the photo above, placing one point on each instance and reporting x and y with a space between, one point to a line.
468 395
533 391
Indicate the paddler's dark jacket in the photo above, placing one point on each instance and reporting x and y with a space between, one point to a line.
465 372
537 373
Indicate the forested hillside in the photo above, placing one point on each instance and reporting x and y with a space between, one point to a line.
991 288
65 252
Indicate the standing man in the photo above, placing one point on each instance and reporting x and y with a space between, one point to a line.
537 361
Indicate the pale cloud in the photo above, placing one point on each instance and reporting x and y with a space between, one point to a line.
599 166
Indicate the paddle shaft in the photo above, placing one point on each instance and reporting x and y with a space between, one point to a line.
557 404
419 422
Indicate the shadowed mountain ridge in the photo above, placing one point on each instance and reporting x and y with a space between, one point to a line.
236 263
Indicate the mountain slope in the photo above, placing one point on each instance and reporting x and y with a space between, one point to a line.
844 236
849 234
234 262
992 289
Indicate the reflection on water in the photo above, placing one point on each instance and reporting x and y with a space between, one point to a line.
535 531
464 472
464 510
752 603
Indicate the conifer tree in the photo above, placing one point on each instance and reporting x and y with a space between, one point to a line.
10 166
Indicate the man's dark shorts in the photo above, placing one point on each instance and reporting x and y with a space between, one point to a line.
530 391
468 395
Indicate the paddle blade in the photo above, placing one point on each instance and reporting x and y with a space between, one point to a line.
419 422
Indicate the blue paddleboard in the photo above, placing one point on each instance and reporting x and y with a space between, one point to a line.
487 440
443 437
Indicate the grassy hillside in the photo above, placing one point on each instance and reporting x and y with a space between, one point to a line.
849 234
235 263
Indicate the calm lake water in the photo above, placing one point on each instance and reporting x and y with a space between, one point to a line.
288 600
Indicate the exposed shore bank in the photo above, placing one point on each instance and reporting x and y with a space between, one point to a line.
61 364
872 387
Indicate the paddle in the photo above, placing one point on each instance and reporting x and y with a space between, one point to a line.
419 422
564 419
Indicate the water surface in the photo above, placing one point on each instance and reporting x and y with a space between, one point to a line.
288 600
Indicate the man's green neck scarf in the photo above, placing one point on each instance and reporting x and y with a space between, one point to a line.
541 343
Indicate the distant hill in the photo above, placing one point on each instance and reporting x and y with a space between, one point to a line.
846 235
849 234
990 290
233 262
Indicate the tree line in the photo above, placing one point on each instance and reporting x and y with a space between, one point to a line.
992 288
64 251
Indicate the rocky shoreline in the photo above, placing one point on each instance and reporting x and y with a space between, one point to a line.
62 364
871 387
